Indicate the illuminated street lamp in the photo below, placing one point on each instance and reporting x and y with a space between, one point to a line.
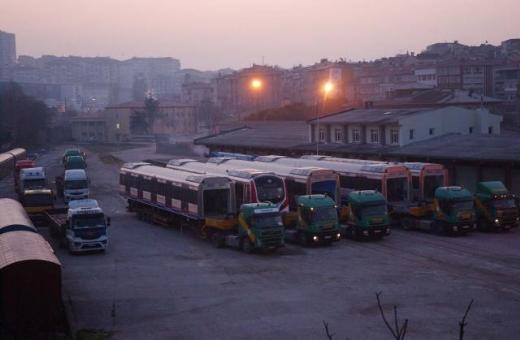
256 84
327 88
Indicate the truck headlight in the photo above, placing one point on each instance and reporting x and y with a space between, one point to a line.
497 221
315 238
338 236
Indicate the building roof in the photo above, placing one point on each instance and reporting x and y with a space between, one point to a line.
436 97
140 105
369 116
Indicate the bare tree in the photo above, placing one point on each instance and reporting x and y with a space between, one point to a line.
327 332
463 323
398 331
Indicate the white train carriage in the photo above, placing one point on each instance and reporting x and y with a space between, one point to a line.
303 180
194 196
251 185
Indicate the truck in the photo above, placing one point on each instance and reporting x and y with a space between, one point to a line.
367 215
451 212
36 202
495 205
19 165
80 227
73 185
75 162
317 221
31 178
259 227
72 152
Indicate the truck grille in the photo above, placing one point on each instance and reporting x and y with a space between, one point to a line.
90 234
271 237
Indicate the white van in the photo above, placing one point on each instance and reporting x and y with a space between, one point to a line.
75 185
32 178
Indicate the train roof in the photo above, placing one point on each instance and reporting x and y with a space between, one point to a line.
5 157
16 152
301 172
340 167
236 173
13 215
169 174
22 246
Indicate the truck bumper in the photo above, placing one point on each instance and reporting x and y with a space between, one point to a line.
80 245
67 198
371 232
324 237
463 228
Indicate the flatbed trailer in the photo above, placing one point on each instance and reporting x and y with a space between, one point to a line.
57 221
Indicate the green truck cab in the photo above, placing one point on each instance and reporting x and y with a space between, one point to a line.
454 210
495 205
367 215
74 162
317 223
260 227
72 152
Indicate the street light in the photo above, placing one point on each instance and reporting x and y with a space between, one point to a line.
256 84
327 88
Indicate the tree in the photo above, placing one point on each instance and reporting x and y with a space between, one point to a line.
141 122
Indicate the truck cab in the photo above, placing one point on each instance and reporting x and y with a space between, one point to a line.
367 215
36 202
75 185
21 164
31 178
72 152
496 208
454 210
260 226
317 222
86 226
75 162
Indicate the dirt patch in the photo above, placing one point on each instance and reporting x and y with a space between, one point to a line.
110 159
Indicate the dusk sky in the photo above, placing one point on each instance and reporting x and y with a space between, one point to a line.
214 34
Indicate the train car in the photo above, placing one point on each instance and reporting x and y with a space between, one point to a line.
197 197
426 177
234 155
30 278
299 181
391 180
251 185
6 164
18 154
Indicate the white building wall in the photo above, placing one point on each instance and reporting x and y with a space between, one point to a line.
333 128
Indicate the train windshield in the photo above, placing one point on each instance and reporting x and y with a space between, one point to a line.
78 184
34 183
397 189
325 187
216 201
270 189
88 221
35 200
431 183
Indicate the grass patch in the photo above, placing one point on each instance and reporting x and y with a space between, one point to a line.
110 159
93 334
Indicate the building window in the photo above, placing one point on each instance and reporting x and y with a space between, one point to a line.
490 130
322 135
374 135
394 136
338 134
470 130
411 133
432 131
356 136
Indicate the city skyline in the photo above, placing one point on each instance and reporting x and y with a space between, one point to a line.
224 35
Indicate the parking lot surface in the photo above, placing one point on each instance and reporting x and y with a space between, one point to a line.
162 283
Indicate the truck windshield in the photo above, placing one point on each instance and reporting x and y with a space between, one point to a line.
35 200
325 214
397 189
431 183
373 210
462 205
504 204
325 187
270 189
34 183
266 221
78 184
88 221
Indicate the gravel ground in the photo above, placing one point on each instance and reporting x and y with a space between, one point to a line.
160 283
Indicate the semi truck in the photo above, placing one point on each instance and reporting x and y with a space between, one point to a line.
367 215
80 227
451 212
75 162
36 202
21 164
73 185
31 178
317 221
259 227
495 205
72 152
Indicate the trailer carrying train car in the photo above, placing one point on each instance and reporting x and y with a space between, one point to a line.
8 160
203 202
30 278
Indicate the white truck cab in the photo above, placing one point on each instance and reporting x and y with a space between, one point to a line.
86 226
75 185
32 178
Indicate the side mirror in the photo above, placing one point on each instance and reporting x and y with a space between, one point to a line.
108 221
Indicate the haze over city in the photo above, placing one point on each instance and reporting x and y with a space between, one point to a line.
236 33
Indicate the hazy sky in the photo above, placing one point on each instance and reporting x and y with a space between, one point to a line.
209 34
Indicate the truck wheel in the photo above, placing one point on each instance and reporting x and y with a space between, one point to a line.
217 239
302 239
247 247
